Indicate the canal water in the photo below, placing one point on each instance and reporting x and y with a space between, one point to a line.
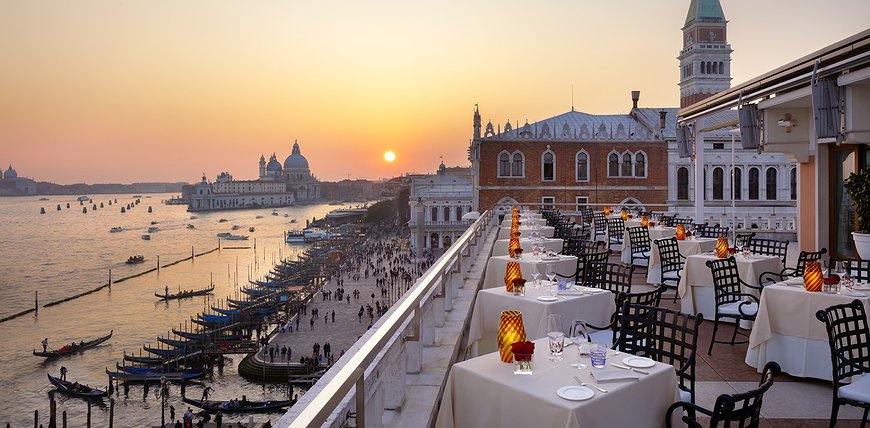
63 253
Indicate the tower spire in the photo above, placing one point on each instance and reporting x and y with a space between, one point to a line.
705 60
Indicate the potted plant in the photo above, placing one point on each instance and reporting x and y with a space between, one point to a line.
858 187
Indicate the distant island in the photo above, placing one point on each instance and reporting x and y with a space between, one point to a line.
47 188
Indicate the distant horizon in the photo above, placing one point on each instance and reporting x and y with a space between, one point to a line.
150 91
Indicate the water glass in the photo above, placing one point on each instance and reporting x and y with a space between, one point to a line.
598 355
536 275
579 336
556 337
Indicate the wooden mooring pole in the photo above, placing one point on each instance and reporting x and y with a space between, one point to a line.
158 264
63 419
89 414
36 419
52 411
36 300
111 412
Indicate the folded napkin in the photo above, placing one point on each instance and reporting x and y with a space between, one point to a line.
862 287
571 293
614 375
794 282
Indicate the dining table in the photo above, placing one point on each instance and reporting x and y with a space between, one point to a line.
655 232
550 244
526 231
688 247
564 265
529 218
485 392
696 284
593 305
786 329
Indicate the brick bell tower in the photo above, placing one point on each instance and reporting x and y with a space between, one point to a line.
705 60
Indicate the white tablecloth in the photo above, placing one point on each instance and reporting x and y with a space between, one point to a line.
525 231
696 284
688 247
484 392
594 308
496 265
654 233
786 330
524 218
552 244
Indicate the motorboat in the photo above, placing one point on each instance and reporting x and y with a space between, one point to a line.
223 220
44 199
146 237
190 226
224 234
258 217
251 229
153 229
153 221
83 199
295 236
116 229
236 227
232 237
132 260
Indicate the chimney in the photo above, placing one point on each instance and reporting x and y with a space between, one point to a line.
635 96
662 119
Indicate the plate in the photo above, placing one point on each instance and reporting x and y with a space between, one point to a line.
547 298
575 393
638 362
856 294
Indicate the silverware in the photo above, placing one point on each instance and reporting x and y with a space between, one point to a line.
594 386
630 368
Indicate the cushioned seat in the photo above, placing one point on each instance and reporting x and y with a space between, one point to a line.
602 336
685 395
858 390
734 308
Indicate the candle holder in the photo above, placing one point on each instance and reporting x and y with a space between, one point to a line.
510 331
513 246
813 276
644 221
623 215
511 272
681 232
722 247
519 286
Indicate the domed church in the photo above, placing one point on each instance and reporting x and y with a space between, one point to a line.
295 172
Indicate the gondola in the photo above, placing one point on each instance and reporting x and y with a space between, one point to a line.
73 348
185 294
152 370
132 260
143 360
212 337
214 406
70 388
216 319
166 352
178 343
154 377
256 291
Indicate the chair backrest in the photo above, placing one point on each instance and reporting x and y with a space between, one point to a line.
599 222
849 337
665 335
714 232
593 266
669 253
639 239
859 270
742 239
687 222
586 215
726 280
744 410
770 247
808 256
617 278
615 228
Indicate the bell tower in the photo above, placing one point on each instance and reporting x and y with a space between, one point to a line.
705 60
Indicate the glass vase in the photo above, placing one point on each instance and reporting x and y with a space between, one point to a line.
523 364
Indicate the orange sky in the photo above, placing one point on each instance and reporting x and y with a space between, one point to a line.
125 91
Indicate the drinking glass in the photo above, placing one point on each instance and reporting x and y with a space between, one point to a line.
840 269
580 339
551 274
536 275
556 336
598 355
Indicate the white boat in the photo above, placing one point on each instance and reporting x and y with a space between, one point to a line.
314 235
295 236
153 229
116 229
236 237
83 199
224 234
274 212
146 237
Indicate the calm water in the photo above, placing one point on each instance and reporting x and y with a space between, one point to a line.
62 253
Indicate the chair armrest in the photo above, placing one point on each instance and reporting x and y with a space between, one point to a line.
687 365
772 275
685 406
853 364
748 285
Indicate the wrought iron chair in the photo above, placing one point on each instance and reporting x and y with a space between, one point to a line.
686 222
599 226
849 339
615 229
664 335
713 232
672 262
638 244
586 215
859 270
743 239
770 247
589 268
731 410
610 333
767 278
616 278
578 244
667 220
731 301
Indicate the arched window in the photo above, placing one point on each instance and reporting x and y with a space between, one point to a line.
640 165
793 184
718 184
770 181
582 166
504 165
703 68
433 214
682 183
446 211
736 191
548 167
626 165
721 67
753 184
518 168
458 213
613 165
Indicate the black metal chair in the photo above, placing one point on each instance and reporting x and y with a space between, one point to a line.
615 229
616 278
667 220
586 215
742 239
610 332
599 226
770 247
589 268
731 410
638 244
713 232
686 222
767 278
849 340
731 301
664 335
859 270
672 262
578 244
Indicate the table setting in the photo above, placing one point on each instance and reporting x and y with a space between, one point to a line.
528 231
530 264
548 244
688 247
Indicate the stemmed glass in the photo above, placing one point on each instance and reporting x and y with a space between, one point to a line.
579 336
556 336
536 275
551 274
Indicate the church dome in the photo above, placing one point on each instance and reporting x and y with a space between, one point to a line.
10 173
296 160
274 165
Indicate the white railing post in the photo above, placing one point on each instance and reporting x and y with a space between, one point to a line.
427 321
438 304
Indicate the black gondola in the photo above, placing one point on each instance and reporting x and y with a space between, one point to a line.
75 389
132 260
185 294
143 360
73 347
214 406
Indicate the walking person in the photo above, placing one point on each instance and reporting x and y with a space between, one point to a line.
171 412
333 316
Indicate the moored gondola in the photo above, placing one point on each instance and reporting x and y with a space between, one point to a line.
75 389
73 347
239 406
154 377
214 337
143 360
185 294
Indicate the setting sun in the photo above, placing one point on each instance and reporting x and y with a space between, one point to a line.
389 156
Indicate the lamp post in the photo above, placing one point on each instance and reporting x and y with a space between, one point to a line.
162 401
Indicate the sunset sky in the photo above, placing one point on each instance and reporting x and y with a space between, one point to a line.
129 91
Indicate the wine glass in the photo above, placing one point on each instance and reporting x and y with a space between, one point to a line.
551 274
556 336
579 336
536 275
